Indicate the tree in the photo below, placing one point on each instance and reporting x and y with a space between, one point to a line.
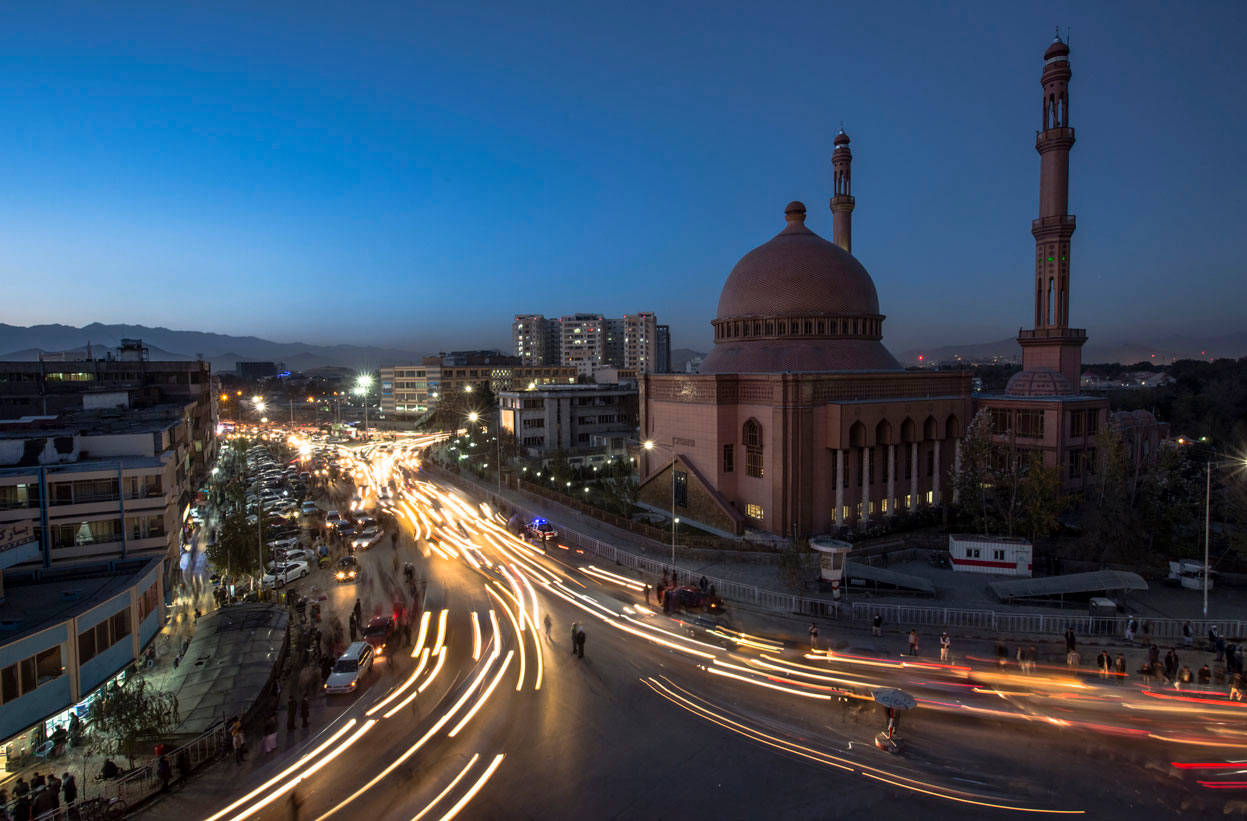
1040 500
123 717
970 478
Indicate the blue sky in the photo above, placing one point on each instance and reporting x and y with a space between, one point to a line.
384 173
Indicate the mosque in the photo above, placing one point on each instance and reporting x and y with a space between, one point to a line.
800 421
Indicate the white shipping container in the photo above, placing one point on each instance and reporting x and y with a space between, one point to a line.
997 555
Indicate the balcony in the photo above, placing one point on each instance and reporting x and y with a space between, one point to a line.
1039 334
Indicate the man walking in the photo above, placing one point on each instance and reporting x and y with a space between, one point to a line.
575 633
1070 641
580 642
548 624
876 626
945 644
813 636
913 642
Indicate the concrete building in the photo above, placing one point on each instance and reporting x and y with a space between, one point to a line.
412 389
586 341
255 371
575 419
663 349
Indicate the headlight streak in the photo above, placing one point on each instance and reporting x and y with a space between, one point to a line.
376 708
611 578
424 739
615 622
519 636
309 756
716 671
822 757
422 634
441 631
476 637
428 807
474 789
540 653
518 597
485 694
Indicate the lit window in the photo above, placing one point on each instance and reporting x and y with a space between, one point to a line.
930 497
753 511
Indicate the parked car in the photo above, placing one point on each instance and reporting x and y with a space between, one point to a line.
309 508
541 530
379 633
348 570
295 554
332 518
350 668
367 538
284 573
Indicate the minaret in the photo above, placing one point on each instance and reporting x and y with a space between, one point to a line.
842 202
1053 344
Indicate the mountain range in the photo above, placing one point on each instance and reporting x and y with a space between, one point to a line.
223 351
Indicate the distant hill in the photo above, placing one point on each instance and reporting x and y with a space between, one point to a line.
1162 351
222 350
680 358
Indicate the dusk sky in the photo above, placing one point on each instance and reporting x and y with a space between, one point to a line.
414 174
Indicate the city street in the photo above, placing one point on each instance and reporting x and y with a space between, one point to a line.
667 719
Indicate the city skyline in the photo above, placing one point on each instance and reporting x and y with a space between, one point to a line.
296 162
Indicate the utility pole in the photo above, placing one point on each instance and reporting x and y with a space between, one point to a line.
1207 529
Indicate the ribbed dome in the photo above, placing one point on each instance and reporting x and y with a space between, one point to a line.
1057 49
798 273
1039 382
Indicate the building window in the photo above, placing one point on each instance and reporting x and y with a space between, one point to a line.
729 458
930 497
998 555
1001 421
1030 424
1075 423
1093 422
147 602
754 511
753 464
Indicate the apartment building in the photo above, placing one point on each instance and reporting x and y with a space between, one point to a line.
587 341
413 389
575 419
663 349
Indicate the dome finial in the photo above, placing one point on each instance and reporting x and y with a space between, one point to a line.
795 211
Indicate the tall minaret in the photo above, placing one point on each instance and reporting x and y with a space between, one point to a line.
842 201
1053 343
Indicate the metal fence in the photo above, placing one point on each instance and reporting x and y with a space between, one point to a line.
143 782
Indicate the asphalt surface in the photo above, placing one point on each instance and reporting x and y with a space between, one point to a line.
640 727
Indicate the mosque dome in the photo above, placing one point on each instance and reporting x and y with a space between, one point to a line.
1039 382
798 303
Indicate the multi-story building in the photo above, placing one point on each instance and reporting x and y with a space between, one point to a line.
663 349
412 389
574 419
588 341
93 486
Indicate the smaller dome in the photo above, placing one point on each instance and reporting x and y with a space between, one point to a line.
841 138
1057 49
794 211
1039 382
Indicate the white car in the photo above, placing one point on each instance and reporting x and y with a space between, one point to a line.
283 544
367 538
349 669
295 554
282 574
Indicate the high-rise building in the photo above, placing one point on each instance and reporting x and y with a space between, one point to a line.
583 341
640 343
663 335
588 341
531 333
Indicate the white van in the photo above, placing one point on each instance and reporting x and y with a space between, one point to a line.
348 671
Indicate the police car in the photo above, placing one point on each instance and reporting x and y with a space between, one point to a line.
541 530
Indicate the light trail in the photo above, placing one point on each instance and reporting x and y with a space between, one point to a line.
476 637
422 634
376 708
485 694
519 636
716 671
320 748
474 789
540 653
429 807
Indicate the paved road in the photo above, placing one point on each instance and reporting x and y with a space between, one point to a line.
642 727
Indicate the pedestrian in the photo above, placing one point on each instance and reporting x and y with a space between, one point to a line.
1119 667
304 710
21 788
1219 644
1069 640
1204 676
580 643
913 642
1188 635
1002 654
704 584
876 626
290 711
575 630
945 644
240 743
37 780
813 636
1032 658
1236 687
69 788
164 772
183 763
358 611
1153 655
1104 662
549 623
354 628
1171 665
270 734
1073 660
1130 629
1184 677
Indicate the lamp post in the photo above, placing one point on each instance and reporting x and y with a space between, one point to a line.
1208 466
362 384
650 444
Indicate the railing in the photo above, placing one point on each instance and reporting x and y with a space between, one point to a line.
1041 623
142 783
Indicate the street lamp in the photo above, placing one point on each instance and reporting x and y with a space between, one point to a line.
1209 465
362 384
650 444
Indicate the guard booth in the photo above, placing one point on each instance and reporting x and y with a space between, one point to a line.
997 555
832 553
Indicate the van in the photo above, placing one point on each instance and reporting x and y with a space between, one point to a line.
350 668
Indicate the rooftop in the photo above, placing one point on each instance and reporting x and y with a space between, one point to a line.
38 599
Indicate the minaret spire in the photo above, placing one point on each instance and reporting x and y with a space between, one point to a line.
842 201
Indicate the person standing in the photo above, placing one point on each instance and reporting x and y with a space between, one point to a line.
1119 667
580 642
876 625
164 772
945 645
913 642
270 734
549 623
69 788
575 631
1130 629
1070 641
813 636
239 739
358 611
1188 634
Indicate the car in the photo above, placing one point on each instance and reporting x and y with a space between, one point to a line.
284 573
344 528
295 554
348 569
283 544
350 668
309 508
541 530
332 518
367 538
378 633
364 522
